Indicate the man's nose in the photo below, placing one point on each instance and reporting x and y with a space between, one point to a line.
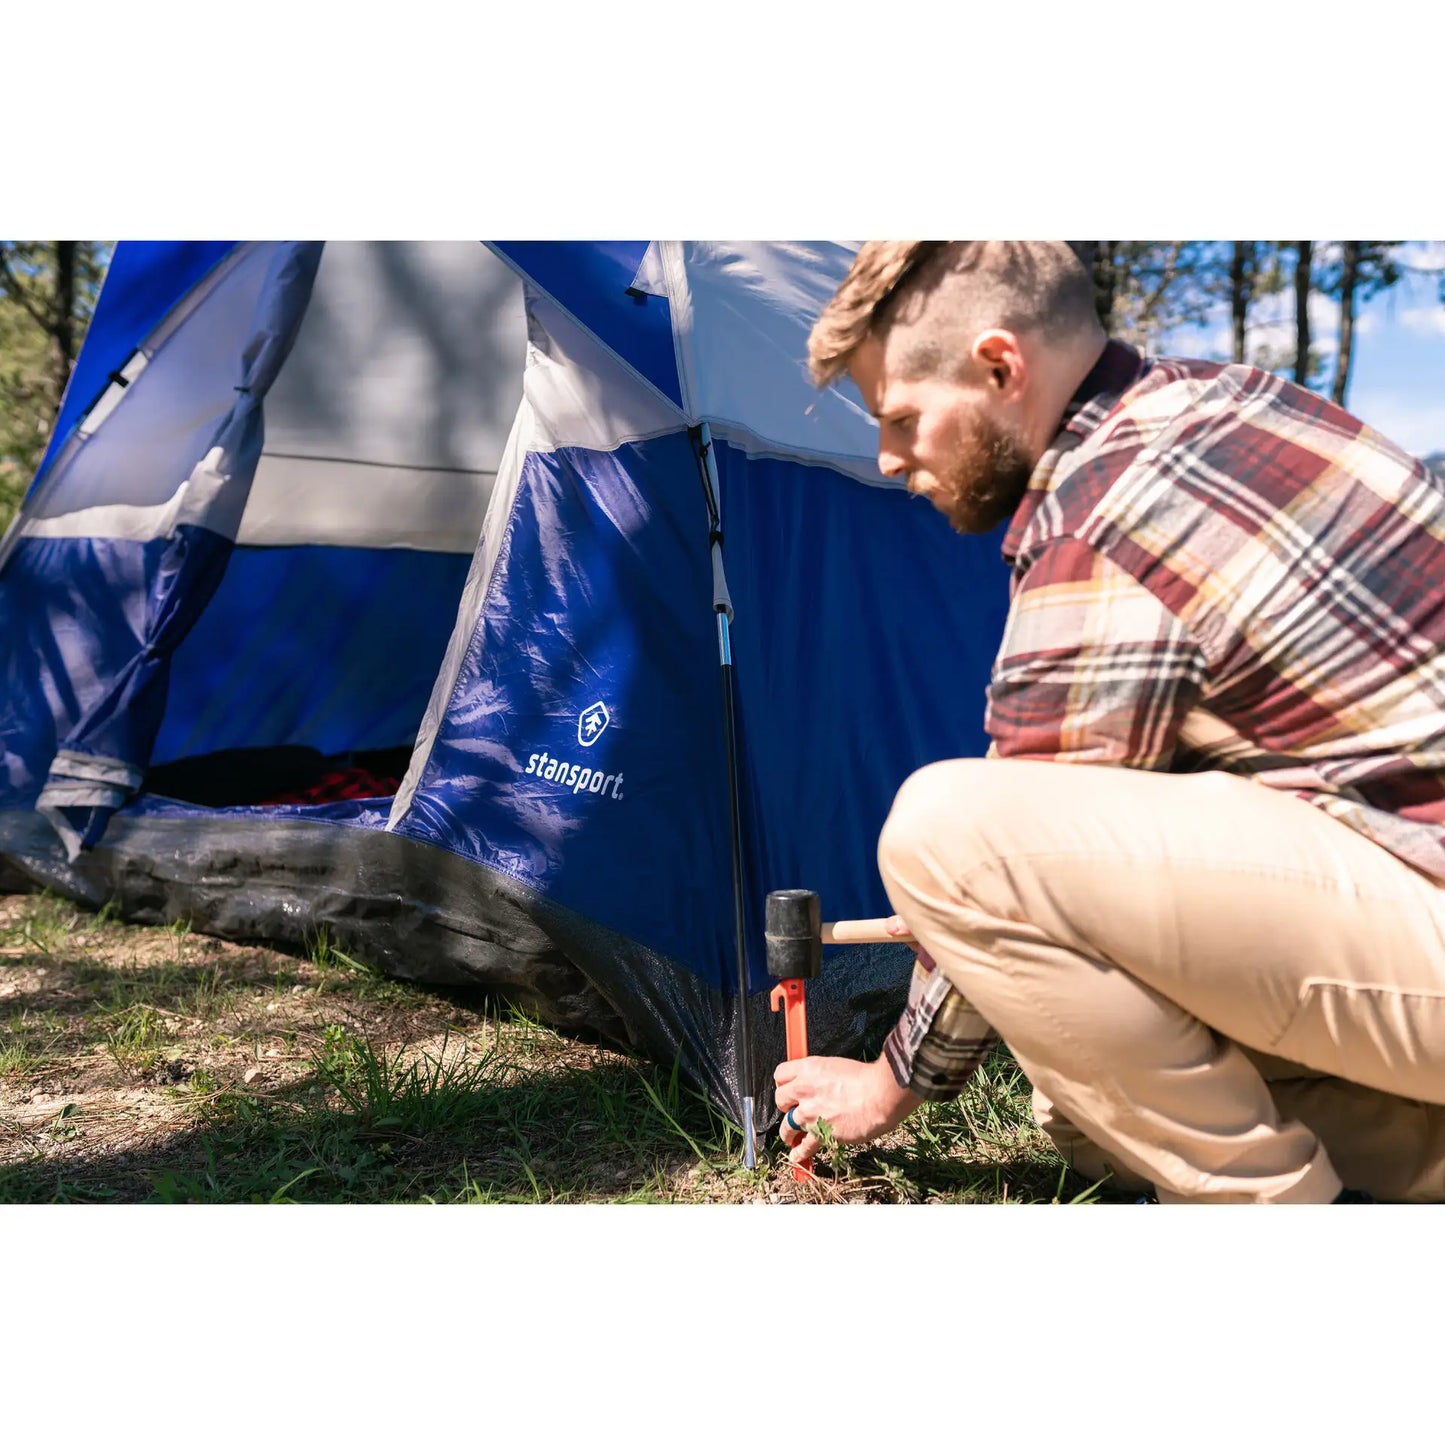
890 463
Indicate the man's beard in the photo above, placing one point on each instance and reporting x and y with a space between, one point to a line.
987 479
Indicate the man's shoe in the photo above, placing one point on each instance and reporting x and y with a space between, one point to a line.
1354 1196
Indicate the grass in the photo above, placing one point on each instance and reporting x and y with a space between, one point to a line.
152 1064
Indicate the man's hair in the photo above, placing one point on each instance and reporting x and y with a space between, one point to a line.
945 292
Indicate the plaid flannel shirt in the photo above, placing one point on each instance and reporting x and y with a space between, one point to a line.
1217 569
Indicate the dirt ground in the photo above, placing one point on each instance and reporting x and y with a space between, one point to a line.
114 1036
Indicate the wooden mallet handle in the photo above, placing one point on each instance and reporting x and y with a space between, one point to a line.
862 930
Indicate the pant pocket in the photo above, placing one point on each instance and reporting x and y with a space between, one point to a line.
1385 1038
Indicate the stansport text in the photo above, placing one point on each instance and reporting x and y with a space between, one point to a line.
574 776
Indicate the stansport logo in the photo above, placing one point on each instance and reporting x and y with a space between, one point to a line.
591 724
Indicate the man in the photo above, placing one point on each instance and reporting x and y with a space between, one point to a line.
1218 951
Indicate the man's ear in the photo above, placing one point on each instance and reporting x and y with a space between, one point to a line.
1000 358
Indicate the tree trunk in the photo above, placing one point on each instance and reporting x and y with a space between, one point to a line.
1349 279
1302 283
62 335
1241 272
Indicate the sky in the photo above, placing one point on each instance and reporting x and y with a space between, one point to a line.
1397 378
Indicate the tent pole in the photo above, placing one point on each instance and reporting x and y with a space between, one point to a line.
745 1050
722 605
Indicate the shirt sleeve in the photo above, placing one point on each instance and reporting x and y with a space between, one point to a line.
1093 667
940 1040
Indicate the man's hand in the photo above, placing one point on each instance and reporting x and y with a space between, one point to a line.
859 1101
899 929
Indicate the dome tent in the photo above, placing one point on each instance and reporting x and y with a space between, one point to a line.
380 587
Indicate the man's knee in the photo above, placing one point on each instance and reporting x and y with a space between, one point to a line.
928 805
957 810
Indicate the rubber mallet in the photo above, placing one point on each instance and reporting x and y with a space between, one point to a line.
796 933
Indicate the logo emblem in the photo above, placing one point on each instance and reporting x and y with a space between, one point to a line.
592 724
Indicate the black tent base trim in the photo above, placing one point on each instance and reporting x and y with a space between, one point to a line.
418 912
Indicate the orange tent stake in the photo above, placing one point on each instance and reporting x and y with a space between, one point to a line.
789 997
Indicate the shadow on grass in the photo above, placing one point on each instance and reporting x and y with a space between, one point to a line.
469 1127
76 987
982 1148
1041 1178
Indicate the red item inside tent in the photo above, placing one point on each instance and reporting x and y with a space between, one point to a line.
340 785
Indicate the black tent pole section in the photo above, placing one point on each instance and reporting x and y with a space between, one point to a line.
701 439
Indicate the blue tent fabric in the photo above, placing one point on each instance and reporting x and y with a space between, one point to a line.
336 619
111 739
68 622
562 832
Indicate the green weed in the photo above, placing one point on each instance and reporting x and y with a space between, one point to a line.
44 925
26 1045
319 949
208 994
136 1038
428 1095
341 973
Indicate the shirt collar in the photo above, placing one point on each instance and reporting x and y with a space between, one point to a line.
1119 366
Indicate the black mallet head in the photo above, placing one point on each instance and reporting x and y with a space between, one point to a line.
794 932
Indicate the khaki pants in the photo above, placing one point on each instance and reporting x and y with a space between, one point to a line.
1212 986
